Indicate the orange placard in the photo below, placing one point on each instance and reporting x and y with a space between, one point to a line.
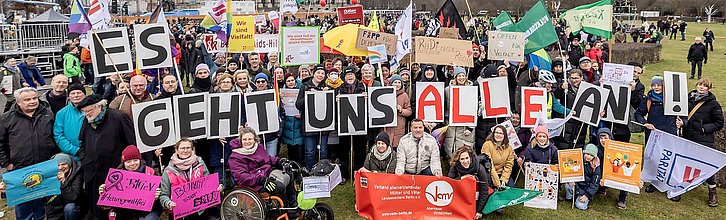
571 165
621 166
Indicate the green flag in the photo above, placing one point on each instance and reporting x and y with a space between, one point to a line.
509 197
537 27
595 18
503 20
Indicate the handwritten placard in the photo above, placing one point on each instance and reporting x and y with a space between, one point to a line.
443 51
129 190
451 33
288 97
242 38
368 38
195 195
617 73
506 46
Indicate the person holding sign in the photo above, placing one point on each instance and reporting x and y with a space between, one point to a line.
131 161
170 87
403 111
587 189
604 135
652 107
262 82
465 164
574 130
67 204
547 80
291 127
502 157
315 142
457 136
418 153
202 80
350 85
368 76
138 94
242 81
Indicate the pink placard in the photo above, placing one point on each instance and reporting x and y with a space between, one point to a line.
129 190
195 195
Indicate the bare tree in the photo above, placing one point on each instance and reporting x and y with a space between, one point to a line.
710 10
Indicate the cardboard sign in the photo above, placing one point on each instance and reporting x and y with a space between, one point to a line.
430 101
382 107
675 94
154 124
129 190
461 111
617 73
534 101
450 33
368 38
261 109
506 46
153 47
242 36
190 113
571 166
213 44
352 114
224 115
511 134
33 182
321 186
319 111
116 43
196 195
589 102
443 51
389 196
495 105
267 43
300 45
288 97
620 166
617 107
544 178
350 15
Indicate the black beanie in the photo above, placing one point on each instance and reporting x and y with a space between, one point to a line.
383 136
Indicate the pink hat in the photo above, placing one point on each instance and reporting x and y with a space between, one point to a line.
542 129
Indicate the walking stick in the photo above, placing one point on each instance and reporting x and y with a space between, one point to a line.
351 155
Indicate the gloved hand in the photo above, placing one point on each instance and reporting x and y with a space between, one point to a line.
281 161
271 186
261 181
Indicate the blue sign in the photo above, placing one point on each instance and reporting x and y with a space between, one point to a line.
33 182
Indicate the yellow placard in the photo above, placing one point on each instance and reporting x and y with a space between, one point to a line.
242 35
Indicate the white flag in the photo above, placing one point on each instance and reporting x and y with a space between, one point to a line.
403 31
676 165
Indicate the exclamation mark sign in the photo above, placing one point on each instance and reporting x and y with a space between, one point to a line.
676 92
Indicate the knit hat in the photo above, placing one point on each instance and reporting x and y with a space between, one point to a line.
607 131
130 153
334 70
459 70
319 67
202 66
89 100
431 67
383 136
396 77
288 75
262 76
76 86
657 79
542 129
591 149
348 70
63 158
557 62
585 59
404 71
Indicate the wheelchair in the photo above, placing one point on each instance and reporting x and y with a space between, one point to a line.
248 204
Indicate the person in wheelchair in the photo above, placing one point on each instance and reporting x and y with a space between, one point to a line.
253 168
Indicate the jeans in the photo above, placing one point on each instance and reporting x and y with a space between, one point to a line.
87 73
312 152
569 194
30 210
683 35
695 64
424 172
72 212
271 147
153 215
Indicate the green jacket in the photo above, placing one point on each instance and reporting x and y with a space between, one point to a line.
71 65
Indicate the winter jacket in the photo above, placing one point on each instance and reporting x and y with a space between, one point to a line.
455 137
25 140
86 56
71 65
595 54
56 103
71 192
31 74
656 115
708 36
247 170
536 154
397 132
592 181
572 129
502 162
698 52
706 120
18 80
413 155
190 59
574 53
172 176
387 165
66 129
308 85
123 102
483 178
291 128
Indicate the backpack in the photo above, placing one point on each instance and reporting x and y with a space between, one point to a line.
322 168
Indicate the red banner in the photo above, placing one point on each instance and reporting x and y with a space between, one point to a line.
389 196
350 15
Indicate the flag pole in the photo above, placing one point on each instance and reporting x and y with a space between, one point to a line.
471 16
95 35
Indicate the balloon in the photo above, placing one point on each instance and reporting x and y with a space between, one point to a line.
625 157
618 155
355 2
323 3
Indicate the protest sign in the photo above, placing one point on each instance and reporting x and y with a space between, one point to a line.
589 102
190 114
617 107
620 166
213 44
33 182
260 20
494 106
450 33
443 51
511 134
534 100
430 101
321 186
617 73
300 45
368 38
288 97
261 105
543 178
377 54
154 124
461 111
195 195
223 115
382 107
506 46
350 15
7 84
389 196
153 47
319 111
352 114
115 41
129 190
571 169
267 43
675 94
242 36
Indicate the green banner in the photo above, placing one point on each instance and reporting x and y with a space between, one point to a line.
503 20
595 18
508 197
537 27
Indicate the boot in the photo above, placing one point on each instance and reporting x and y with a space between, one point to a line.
712 197
650 188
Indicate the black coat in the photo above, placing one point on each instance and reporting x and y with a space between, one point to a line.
698 52
483 177
592 181
308 85
24 140
707 120
572 127
71 192
191 58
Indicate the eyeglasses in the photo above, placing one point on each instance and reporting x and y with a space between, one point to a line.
226 82
260 81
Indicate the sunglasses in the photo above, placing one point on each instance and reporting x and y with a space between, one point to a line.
261 81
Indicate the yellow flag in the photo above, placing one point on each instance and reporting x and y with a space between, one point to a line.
373 24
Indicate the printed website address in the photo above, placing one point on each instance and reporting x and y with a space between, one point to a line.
396 213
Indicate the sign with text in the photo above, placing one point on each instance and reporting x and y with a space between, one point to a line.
514 141
152 46
154 124
213 44
443 51
617 73
368 38
450 33
534 100
430 101
589 102
33 182
506 46
494 106
352 114
620 166
129 190
617 107
196 195
382 107
288 97
262 106
571 169
267 43
461 111
242 36
111 52
350 15
300 45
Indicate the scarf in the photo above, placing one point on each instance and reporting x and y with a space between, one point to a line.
657 97
467 171
246 152
368 83
141 169
697 96
381 156
203 85
350 88
183 164
94 123
165 94
334 84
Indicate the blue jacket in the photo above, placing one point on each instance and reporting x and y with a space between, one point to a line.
30 73
656 115
592 181
537 154
66 129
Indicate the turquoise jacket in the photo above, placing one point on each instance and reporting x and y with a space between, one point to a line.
67 126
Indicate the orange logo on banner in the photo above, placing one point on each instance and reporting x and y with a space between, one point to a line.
389 196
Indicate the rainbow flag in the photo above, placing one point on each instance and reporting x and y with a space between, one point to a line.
541 59
219 19
79 22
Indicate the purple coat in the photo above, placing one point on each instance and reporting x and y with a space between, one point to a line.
248 169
